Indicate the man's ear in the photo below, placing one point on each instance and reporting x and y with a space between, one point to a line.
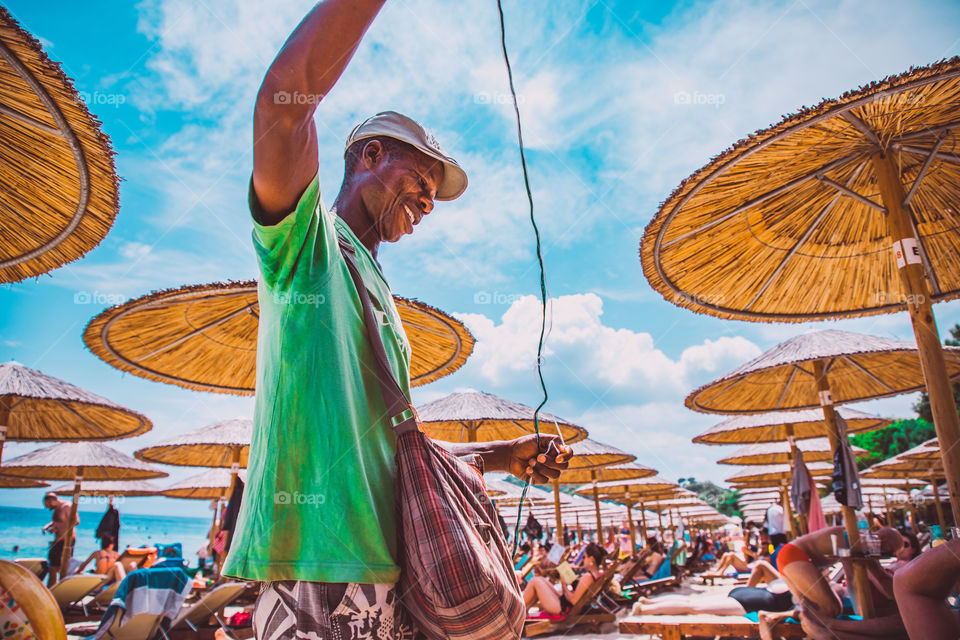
373 153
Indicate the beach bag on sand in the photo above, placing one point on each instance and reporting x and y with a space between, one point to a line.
456 578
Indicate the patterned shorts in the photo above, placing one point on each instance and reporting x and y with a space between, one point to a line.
292 610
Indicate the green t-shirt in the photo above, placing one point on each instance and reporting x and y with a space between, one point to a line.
319 501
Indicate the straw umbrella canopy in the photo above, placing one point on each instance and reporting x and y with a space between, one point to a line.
476 416
204 337
905 465
814 450
778 426
38 407
639 491
849 208
78 461
60 193
112 488
211 484
222 444
774 475
8 482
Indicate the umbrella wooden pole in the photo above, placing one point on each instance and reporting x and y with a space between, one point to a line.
859 582
916 292
558 529
68 538
660 516
643 523
579 530
633 527
4 422
596 504
886 507
472 427
234 470
936 501
670 514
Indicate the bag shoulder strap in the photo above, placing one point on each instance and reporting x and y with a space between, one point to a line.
403 416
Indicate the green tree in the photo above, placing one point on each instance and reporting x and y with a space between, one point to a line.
723 500
891 440
922 406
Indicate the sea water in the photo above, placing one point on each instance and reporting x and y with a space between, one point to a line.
21 535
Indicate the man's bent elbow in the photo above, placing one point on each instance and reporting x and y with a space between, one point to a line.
278 106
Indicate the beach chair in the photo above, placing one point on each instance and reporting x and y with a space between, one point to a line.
702 625
103 598
36 566
73 589
580 613
662 579
142 626
195 616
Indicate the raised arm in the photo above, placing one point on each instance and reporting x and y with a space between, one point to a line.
309 64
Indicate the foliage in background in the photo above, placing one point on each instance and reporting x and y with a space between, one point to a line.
891 440
721 499
922 407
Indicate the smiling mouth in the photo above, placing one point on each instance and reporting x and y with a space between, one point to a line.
413 219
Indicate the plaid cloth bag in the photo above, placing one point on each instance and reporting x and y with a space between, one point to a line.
456 577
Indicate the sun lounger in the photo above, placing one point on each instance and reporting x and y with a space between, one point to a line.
73 589
660 580
194 616
36 566
138 627
701 625
103 598
578 613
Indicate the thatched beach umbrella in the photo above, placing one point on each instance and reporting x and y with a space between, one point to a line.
222 444
846 209
636 491
588 457
204 337
813 449
60 187
778 475
779 426
38 407
475 416
821 368
78 461
906 465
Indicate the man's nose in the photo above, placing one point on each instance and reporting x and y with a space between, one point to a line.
426 201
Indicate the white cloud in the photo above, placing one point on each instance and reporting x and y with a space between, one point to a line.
582 351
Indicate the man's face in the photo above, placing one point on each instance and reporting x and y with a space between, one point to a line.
49 503
402 186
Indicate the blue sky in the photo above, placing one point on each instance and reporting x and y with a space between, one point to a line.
173 83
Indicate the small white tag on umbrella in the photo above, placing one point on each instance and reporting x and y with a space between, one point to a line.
235 468
78 479
3 432
911 250
825 398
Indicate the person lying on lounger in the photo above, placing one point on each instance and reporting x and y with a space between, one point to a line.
738 602
541 593
736 561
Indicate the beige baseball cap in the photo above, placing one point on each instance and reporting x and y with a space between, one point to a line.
398 126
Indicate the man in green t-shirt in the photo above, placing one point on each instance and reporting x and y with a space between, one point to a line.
317 520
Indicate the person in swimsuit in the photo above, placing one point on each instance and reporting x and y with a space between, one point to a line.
105 561
541 593
922 587
800 563
740 601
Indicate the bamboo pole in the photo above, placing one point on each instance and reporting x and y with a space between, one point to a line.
633 527
936 501
558 529
660 516
913 280
859 582
579 530
886 507
596 504
643 523
472 426
68 537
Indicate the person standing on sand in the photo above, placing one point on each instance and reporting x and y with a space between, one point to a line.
317 523
58 525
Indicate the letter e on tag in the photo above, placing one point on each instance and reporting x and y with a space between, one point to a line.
911 251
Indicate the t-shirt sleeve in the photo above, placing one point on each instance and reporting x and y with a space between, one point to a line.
280 246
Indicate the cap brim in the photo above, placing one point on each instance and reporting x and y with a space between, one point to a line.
454 181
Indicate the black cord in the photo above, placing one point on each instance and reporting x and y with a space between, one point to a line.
543 283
